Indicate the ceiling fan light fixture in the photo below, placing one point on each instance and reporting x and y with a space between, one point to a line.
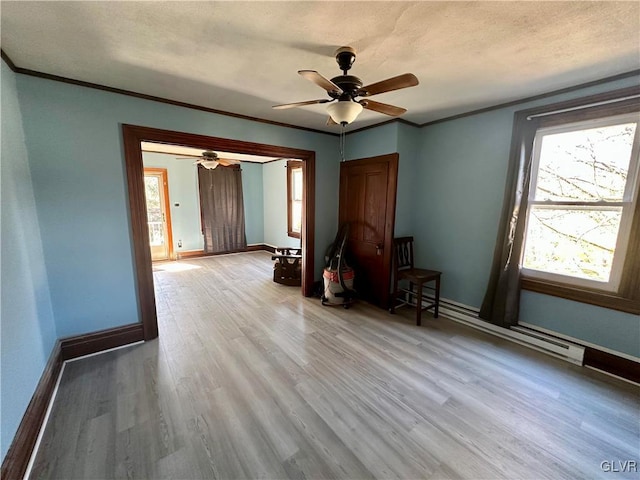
346 88
209 164
344 112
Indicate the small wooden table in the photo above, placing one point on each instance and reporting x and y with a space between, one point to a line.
287 269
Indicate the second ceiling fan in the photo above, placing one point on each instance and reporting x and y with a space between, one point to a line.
210 160
344 89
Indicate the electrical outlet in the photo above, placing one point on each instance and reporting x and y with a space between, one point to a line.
179 243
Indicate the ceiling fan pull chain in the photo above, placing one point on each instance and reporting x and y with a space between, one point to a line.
342 141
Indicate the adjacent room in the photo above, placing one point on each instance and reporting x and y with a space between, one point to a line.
320 240
175 218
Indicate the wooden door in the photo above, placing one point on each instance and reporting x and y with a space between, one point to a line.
158 213
368 203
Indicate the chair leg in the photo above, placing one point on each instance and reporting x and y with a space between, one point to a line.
419 303
394 295
437 307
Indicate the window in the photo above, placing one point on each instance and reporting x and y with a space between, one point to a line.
580 239
294 198
581 202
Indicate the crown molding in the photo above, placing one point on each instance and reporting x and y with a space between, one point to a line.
8 61
470 113
96 86
540 96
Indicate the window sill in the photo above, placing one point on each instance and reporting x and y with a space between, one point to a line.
581 294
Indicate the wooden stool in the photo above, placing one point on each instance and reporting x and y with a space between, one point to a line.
403 269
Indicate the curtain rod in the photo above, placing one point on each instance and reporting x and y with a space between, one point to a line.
589 105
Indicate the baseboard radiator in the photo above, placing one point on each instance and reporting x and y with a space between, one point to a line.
530 338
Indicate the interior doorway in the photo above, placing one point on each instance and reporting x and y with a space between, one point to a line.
156 188
368 204
132 138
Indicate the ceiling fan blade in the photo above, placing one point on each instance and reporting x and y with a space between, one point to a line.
396 83
319 80
383 108
330 121
226 163
300 104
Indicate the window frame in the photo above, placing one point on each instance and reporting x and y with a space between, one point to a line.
626 297
627 204
291 166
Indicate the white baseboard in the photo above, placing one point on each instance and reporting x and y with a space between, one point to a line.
541 342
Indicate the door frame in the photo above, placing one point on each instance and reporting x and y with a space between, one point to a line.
164 177
390 215
132 135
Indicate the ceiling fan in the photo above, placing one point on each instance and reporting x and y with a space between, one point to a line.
346 88
209 159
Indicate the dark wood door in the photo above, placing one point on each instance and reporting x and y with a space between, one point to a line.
368 203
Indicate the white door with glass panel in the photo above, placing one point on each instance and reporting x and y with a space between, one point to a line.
158 219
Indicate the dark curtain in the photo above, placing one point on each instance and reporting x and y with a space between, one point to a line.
222 209
502 298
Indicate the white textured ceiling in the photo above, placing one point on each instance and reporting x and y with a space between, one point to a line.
242 57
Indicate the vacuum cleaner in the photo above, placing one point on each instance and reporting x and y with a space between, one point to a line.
337 275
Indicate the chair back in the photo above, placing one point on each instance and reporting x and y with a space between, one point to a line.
403 253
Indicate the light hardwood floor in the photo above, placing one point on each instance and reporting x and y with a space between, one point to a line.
250 380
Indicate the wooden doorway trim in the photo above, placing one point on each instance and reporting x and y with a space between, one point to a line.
133 135
164 177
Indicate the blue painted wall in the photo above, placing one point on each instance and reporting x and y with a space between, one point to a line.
372 142
461 172
408 181
75 148
275 205
600 326
27 329
252 191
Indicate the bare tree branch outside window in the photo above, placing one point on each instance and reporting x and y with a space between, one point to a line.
577 205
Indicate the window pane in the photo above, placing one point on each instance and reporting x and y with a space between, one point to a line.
152 196
297 217
154 211
296 178
585 165
577 243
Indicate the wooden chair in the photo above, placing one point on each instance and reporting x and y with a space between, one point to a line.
404 270
287 268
